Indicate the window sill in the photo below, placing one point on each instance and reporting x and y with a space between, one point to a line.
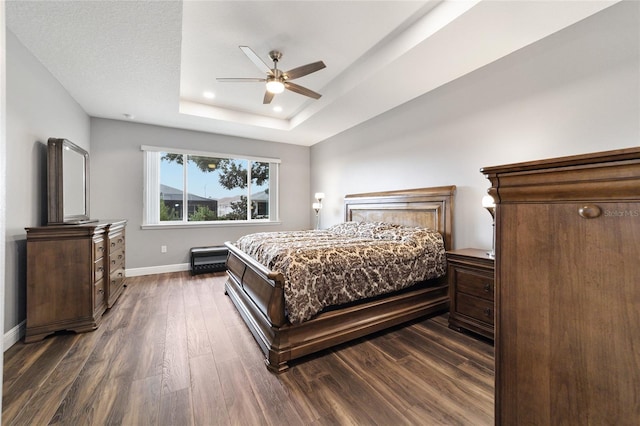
221 224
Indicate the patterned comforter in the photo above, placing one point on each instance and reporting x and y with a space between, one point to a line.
347 262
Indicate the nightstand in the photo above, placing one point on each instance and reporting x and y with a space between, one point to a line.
471 282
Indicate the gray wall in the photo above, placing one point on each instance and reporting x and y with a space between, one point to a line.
117 186
38 107
574 92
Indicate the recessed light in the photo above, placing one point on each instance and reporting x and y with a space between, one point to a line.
277 108
209 95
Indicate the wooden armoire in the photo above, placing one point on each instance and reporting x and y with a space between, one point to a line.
567 325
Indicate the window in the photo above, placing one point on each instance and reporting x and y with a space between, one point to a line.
185 187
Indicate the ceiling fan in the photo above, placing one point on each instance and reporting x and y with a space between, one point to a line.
276 79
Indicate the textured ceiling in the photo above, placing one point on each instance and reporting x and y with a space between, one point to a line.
154 59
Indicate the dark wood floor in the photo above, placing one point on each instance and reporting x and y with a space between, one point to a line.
173 351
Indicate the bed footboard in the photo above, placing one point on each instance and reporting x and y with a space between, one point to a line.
258 296
264 287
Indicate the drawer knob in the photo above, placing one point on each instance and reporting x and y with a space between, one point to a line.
487 288
487 312
589 211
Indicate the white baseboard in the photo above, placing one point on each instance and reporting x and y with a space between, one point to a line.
151 270
14 335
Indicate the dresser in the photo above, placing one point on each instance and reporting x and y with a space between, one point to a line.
470 272
568 289
74 273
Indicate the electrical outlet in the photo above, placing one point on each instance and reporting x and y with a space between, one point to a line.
163 249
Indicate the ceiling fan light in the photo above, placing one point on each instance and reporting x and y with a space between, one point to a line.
275 86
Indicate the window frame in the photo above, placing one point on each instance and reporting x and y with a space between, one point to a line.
151 198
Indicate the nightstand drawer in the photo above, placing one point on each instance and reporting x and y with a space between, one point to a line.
474 283
479 309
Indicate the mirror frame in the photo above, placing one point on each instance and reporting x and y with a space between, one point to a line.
55 183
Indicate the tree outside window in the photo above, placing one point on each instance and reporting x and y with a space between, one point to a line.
217 189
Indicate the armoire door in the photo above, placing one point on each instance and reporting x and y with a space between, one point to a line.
568 320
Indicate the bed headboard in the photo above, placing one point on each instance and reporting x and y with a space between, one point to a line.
426 207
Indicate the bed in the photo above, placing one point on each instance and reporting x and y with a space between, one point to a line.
259 293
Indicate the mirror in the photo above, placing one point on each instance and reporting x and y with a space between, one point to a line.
67 183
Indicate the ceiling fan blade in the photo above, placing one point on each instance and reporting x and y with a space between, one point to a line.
301 90
256 59
304 70
268 97
240 80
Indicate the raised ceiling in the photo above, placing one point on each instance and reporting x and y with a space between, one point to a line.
153 60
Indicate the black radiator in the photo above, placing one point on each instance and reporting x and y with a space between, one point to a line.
208 259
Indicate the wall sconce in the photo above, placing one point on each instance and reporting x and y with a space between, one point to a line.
317 206
490 204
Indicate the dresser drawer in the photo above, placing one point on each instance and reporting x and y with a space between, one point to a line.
116 280
116 260
116 242
474 307
117 273
99 247
474 283
98 268
98 295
